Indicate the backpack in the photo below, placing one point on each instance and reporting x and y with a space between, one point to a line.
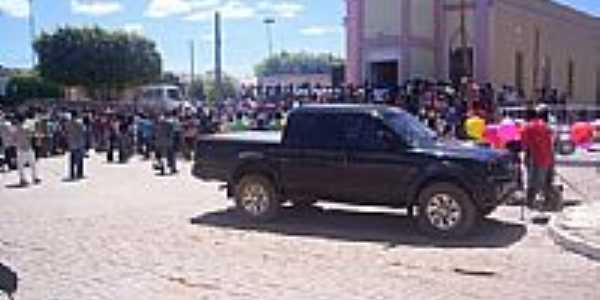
8 280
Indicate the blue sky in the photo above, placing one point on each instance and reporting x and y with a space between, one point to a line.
312 25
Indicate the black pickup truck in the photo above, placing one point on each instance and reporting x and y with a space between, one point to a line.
358 154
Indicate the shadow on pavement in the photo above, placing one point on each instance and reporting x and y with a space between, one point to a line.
380 227
16 186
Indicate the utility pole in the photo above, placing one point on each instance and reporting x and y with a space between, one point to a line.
268 23
218 61
463 37
32 32
192 63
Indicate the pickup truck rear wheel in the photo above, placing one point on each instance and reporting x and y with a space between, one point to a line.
446 210
256 199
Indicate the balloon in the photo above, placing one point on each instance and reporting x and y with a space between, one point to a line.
475 127
508 131
491 135
582 133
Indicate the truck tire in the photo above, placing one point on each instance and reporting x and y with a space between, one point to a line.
256 198
446 211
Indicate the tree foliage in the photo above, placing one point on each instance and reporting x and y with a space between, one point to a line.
24 87
210 88
296 63
196 90
97 59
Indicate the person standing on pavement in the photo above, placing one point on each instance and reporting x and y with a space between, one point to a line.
164 138
539 158
4 136
125 143
145 128
23 136
175 143
76 139
112 131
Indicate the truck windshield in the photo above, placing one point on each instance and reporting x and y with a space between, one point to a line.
174 94
413 132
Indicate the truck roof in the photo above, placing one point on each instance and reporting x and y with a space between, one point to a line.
343 108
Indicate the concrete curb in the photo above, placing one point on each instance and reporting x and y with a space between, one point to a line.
572 242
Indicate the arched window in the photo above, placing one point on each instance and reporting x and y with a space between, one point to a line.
547 69
519 71
598 85
571 78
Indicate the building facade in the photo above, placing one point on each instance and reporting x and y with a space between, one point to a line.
296 80
527 44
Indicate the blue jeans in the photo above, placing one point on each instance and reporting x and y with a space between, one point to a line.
76 163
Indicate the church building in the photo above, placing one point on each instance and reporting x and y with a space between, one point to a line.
527 44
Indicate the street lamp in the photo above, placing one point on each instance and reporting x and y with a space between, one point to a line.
268 23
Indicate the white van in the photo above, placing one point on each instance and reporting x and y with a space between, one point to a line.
162 98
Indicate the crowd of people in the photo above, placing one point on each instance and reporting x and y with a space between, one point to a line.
27 134
118 131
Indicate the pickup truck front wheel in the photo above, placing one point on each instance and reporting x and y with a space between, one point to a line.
256 199
446 210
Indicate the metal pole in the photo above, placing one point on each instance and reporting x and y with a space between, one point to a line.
32 32
268 22
218 75
192 63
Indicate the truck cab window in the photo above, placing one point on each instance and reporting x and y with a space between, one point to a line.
410 129
363 133
315 131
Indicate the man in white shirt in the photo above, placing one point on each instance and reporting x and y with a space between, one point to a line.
23 135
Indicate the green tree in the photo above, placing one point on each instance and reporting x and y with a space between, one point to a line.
104 62
196 90
297 63
31 86
210 87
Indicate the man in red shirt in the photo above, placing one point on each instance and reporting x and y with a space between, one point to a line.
538 145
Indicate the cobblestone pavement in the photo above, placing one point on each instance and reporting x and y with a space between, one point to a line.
583 223
125 234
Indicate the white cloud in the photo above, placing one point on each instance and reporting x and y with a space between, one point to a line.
14 8
205 15
95 8
134 28
233 10
285 9
204 10
319 30
166 8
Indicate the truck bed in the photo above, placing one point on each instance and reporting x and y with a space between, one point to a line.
254 137
217 155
